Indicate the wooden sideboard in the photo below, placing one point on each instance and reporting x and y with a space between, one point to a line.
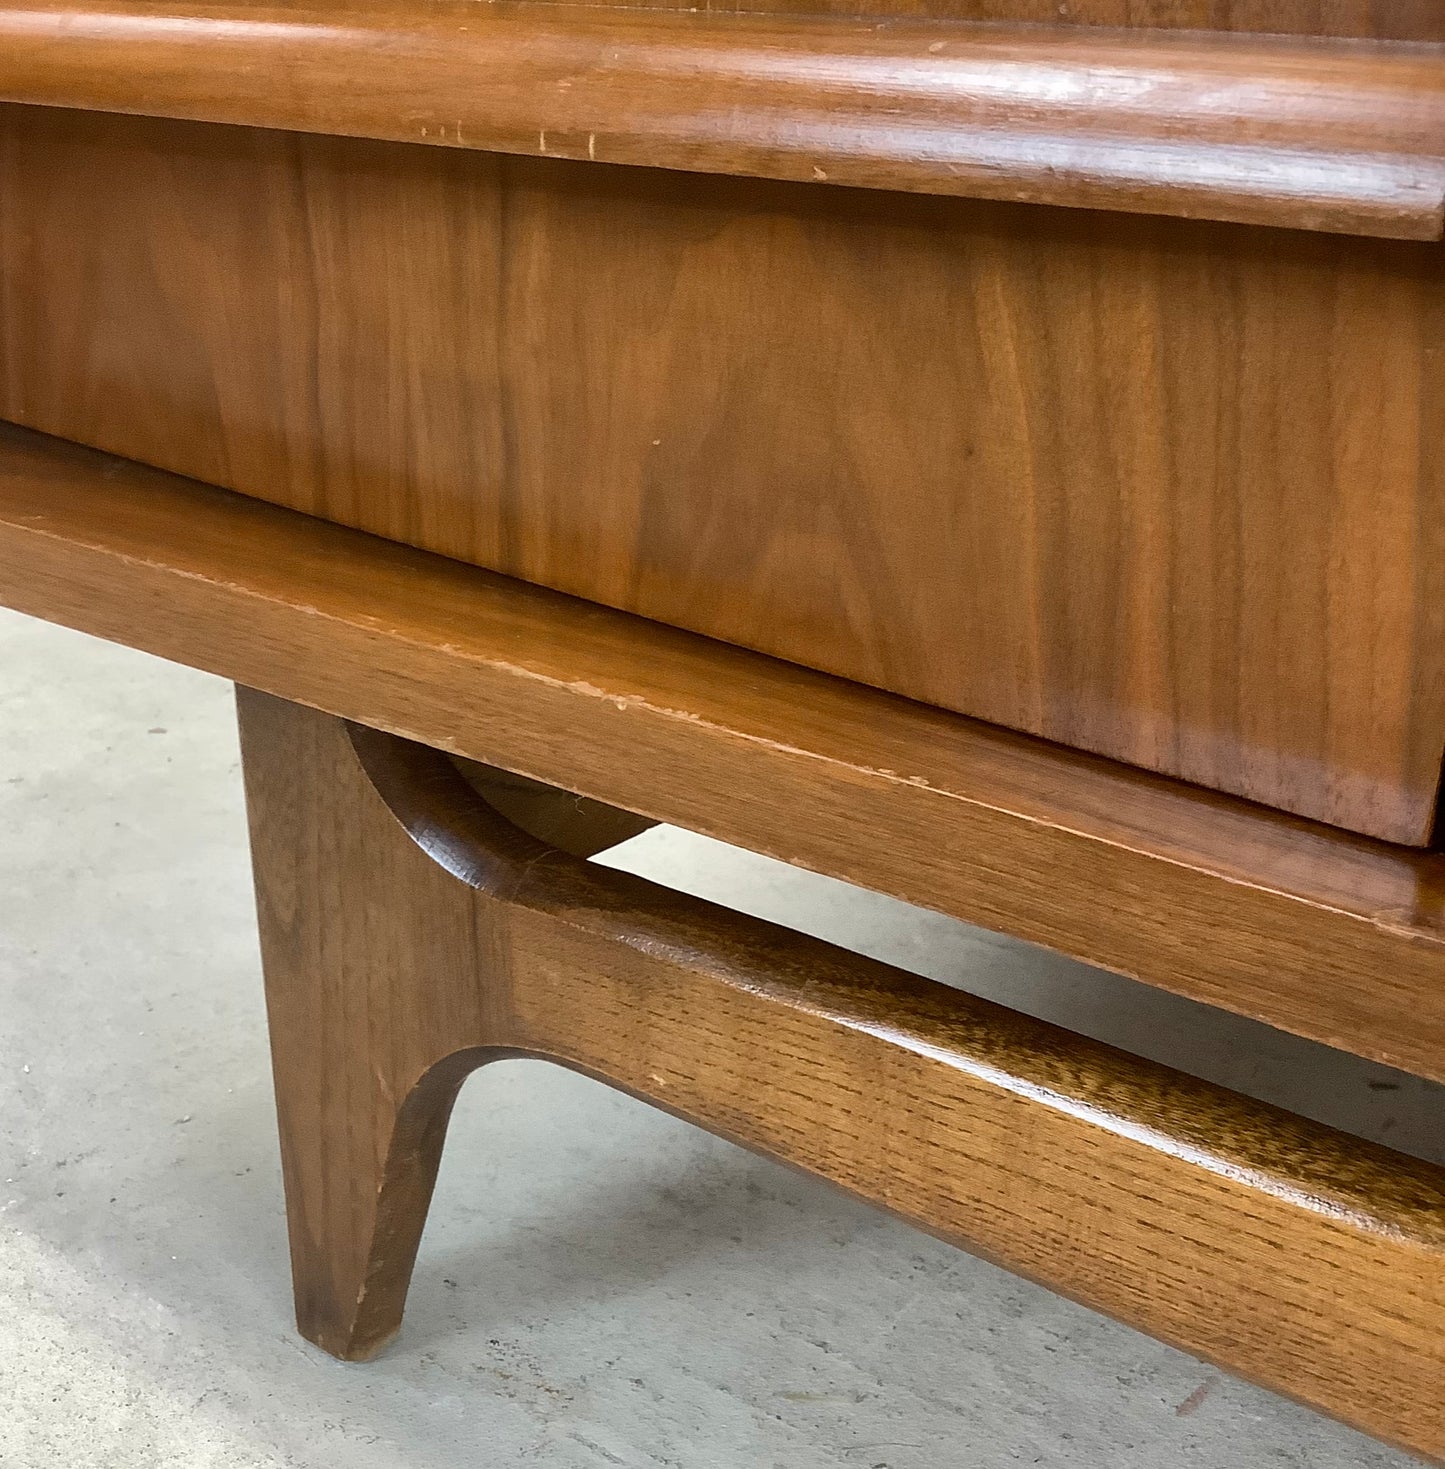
1003 436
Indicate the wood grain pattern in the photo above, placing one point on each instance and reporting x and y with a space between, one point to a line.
1380 20
1163 491
1306 135
1334 937
1305 1259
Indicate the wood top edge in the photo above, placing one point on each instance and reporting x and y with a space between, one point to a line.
1332 135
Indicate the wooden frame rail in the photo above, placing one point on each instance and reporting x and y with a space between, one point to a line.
1332 936
1324 135
410 934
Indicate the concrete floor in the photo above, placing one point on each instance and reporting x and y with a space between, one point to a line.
600 1284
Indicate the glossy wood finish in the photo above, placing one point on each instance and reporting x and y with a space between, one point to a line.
1379 20
1160 490
410 934
1334 937
1302 134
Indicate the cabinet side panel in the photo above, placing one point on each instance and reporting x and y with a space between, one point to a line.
1153 488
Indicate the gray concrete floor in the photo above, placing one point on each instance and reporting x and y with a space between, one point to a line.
600 1284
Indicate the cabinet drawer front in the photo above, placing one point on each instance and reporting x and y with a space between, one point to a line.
1154 488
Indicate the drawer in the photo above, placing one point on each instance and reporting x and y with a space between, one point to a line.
1162 489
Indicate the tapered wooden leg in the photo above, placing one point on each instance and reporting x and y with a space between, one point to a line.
372 957
411 932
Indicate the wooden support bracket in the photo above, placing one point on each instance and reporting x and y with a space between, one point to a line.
411 933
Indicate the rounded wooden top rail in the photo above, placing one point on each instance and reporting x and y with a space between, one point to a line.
1325 135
